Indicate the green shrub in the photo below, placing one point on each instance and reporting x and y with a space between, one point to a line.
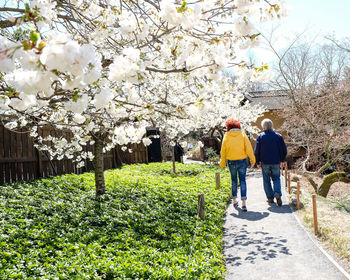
211 155
142 228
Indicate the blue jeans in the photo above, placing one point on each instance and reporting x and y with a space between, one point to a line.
271 172
240 167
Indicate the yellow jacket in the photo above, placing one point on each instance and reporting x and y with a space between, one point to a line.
236 146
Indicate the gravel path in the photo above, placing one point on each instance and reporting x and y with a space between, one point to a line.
267 242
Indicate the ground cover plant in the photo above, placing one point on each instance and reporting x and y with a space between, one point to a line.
144 227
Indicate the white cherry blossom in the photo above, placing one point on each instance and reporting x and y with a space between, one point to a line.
106 71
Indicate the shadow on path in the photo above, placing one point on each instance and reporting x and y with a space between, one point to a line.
284 209
267 242
250 215
254 246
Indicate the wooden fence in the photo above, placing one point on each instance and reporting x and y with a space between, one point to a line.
20 160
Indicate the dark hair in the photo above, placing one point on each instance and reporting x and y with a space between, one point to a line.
232 123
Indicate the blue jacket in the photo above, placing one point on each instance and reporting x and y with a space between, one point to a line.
270 148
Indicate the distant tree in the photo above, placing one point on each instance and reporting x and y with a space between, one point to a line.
317 82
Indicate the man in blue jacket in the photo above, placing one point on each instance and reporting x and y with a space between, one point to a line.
270 153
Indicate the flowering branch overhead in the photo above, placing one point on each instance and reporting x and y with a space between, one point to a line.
102 68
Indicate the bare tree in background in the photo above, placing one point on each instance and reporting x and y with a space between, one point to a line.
317 80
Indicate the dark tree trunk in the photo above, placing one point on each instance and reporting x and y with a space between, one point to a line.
98 163
174 167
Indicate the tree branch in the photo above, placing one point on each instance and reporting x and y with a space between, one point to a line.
329 163
11 23
15 10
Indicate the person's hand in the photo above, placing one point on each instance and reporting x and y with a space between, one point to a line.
252 166
282 164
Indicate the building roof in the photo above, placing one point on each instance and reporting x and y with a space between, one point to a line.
270 99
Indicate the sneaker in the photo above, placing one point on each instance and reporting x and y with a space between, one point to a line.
244 208
235 205
278 199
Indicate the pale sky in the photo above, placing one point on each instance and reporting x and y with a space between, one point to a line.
317 18
324 16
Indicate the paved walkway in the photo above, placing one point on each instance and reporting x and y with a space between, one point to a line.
186 160
267 242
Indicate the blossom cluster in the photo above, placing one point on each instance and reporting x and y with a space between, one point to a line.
112 69
34 68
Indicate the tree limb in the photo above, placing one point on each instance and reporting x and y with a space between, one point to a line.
8 9
312 182
329 180
329 163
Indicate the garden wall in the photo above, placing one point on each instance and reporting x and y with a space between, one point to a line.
20 160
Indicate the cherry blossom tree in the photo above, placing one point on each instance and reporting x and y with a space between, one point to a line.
104 70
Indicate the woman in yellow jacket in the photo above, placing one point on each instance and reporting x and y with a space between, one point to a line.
235 149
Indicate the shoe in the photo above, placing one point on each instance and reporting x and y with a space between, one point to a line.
270 200
244 208
235 205
278 199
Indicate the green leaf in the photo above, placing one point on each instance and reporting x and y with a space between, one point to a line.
26 45
27 7
254 36
34 36
75 96
182 8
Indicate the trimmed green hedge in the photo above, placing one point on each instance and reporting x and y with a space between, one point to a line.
142 228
